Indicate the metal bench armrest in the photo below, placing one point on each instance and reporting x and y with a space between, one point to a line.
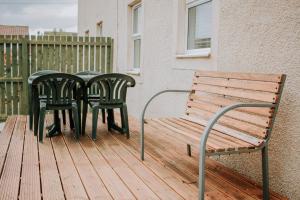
144 111
221 112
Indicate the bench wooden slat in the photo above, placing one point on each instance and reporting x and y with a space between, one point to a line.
181 137
258 120
219 141
218 146
223 101
245 127
244 76
237 83
237 134
234 92
197 127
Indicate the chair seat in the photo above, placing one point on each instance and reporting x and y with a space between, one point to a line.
51 105
94 102
190 132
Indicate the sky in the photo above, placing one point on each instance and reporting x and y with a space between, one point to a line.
40 15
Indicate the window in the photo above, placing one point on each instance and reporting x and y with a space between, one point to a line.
199 25
99 28
136 35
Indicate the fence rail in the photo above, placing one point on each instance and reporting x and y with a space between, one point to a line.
21 56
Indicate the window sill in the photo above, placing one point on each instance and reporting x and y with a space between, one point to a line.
136 72
205 53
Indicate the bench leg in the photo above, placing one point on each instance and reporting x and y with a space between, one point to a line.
265 173
201 180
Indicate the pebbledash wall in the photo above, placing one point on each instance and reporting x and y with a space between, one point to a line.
248 36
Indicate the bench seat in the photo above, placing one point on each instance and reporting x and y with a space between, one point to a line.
190 132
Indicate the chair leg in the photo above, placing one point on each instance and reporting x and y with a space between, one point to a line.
122 121
84 115
79 114
76 120
36 118
71 119
41 122
95 122
201 180
265 173
125 120
63 113
103 115
109 119
30 109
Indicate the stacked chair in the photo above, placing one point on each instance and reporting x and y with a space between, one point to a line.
112 90
60 92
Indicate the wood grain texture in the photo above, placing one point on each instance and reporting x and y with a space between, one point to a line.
111 167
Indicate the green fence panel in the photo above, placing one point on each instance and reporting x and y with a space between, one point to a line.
21 56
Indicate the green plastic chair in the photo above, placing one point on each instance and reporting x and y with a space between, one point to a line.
91 92
30 108
112 89
60 92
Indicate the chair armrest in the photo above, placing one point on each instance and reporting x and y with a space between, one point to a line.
144 111
220 113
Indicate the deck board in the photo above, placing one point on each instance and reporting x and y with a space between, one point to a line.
5 138
30 177
134 183
110 167
49 174
73 187
10 177
93 184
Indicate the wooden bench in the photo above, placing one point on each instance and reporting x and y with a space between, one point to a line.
226 113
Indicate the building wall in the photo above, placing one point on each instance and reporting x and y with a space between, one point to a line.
161 42
249 36
264 36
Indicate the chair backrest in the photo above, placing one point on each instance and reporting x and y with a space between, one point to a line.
43 72
58 88
212 90
112 88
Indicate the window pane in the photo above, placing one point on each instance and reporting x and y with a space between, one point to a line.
137 53
199 26
136 19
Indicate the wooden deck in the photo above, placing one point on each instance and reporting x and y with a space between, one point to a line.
109 168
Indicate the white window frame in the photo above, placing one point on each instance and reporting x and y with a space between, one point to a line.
194 52
135 36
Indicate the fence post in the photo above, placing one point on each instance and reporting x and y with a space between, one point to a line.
25 74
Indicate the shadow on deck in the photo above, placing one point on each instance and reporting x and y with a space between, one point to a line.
109 168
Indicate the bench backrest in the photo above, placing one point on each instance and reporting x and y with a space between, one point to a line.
212 90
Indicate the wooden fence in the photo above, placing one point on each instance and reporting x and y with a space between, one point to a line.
21 56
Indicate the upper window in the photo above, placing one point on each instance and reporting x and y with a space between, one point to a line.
136 35
199 25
